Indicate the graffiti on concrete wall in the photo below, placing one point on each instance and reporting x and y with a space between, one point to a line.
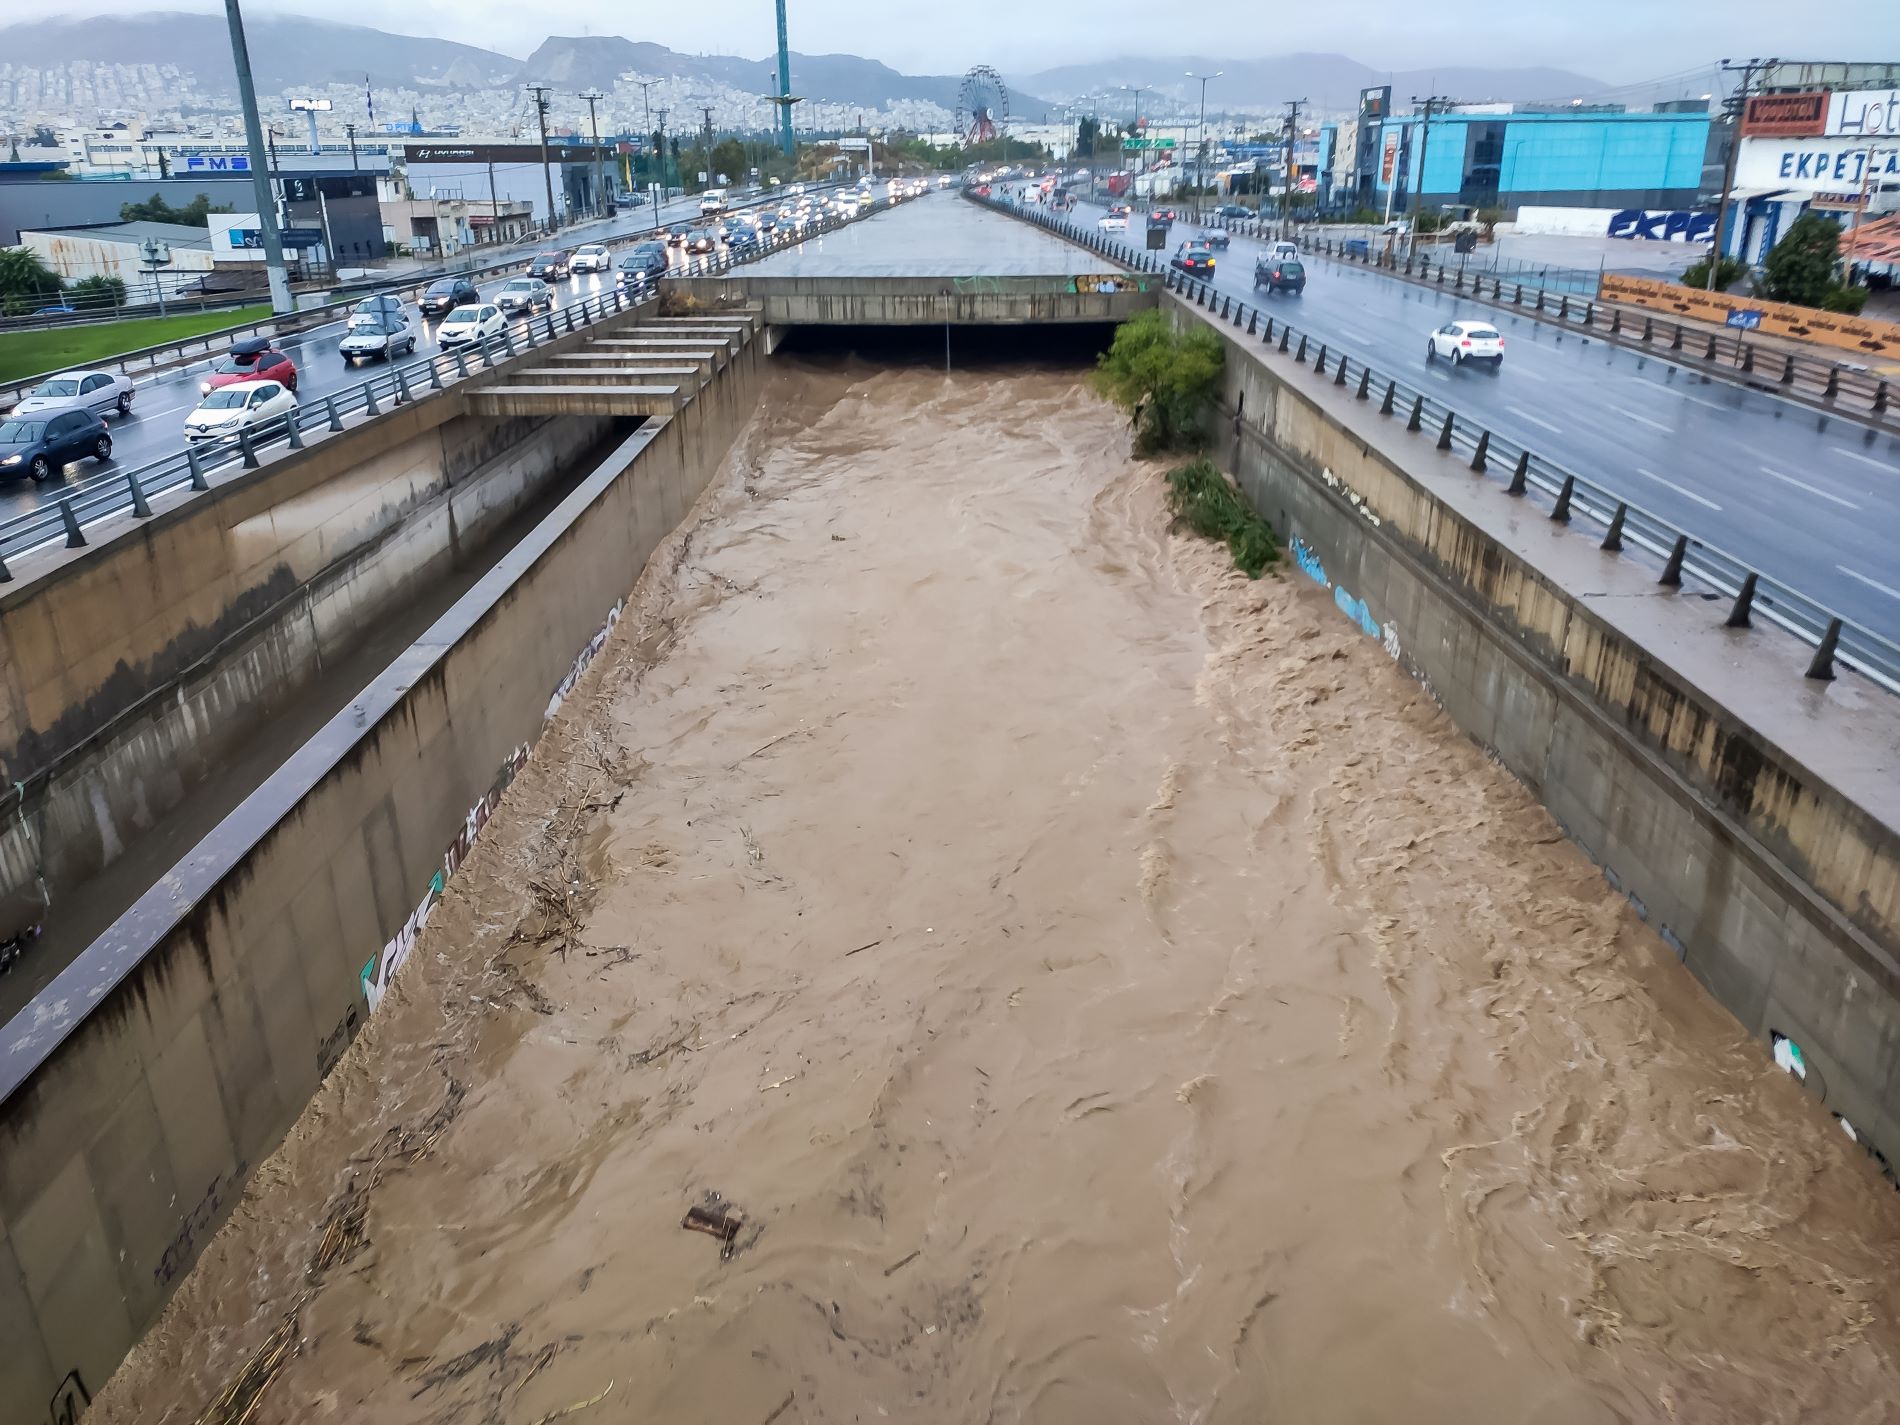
1348 603
1677 225
209 1211
379 971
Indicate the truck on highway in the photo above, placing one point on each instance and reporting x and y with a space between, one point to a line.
712 202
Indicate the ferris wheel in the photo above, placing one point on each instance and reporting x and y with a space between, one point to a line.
982 106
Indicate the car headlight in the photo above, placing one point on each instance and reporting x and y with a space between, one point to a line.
12 460
204 388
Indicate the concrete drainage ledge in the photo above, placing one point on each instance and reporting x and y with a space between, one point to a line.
141 1089
1749 813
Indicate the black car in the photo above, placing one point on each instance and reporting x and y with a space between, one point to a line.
699 240
445 294
38 445
1281 274
550 266
1233 211
1215 238
643 263
744 242
1194 257
675 236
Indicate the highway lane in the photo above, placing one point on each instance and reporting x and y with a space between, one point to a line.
155 428
1811 499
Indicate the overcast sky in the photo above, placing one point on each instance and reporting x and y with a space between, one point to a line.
1613 40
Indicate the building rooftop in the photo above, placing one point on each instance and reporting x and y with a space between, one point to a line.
177 234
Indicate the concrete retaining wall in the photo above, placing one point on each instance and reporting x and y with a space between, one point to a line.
1748 813
146 1083
923 301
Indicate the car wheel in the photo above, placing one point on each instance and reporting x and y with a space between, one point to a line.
410 348
102 448
1458 358
1431 351
125 403
40 469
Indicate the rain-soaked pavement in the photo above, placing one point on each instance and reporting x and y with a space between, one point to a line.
1072 983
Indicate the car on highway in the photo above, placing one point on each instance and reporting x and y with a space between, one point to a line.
38 446
712 202
239 407
383 307
376 338
1285 251
642 265
1194 257
676 234
1460 342
1233 212
1113 222
1216 238
445 294
550 266
253 359
525 295
99 391
589 257
744 242
476 322
1161 218
699 240
1279 274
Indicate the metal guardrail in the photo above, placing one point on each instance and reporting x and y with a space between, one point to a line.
150 359
1842 386
121 492
1627 527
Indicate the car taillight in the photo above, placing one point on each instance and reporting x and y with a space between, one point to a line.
1465 342
1500 343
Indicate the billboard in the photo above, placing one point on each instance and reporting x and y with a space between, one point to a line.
1389 160
501 153
1864 113
1791 116
1830 165
1375 103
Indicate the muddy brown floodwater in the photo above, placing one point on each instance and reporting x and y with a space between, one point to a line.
1099 989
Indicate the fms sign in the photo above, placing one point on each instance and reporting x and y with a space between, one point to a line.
1679 225
217 163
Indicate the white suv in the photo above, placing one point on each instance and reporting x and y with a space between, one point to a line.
590 257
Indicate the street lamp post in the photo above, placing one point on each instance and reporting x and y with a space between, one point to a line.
1200 149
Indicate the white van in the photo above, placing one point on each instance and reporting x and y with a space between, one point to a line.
712 201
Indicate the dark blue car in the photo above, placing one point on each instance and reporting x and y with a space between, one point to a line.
41 444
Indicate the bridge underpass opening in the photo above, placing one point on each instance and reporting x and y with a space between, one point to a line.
1061 979
1056 347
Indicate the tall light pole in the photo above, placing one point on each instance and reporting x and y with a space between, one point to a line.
1136 90
784 98
1200 151
280 298
593 97
646 135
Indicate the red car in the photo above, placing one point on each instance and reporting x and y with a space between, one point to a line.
252 360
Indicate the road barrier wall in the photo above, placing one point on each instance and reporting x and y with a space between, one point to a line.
1110 296
1750 816
140 1091
132 668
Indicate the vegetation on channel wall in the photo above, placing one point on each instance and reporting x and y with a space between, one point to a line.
1164 379
1205 500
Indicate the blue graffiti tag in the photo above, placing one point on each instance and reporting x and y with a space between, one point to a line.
1308 561
1356 610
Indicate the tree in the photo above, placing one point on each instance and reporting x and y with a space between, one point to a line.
1728 272
1800 269
196 213
728 157
92 293
1087 132
1163 378
24 278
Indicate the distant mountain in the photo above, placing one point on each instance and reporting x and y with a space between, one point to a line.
568 61
1327 81
286 50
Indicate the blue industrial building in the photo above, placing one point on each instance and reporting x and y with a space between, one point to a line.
1489 156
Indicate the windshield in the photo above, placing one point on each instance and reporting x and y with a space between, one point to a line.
521 284
462 314
442 288
56 388
20 432
224 399
226 365
372 327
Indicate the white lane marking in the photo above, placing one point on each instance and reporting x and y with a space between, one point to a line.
1811 489
1879 465
1712 405
1691 494
1526 374
1436 374
1354 334
1870 583
1535 420
1645 420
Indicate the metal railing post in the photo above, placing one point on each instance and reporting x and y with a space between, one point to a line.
1444 434
1822 666
195 464
1519 474
1478 456
246 449
141 507
1744 601
1319 362
369 399
1613 540
1417 419
1672 571
1391 394
75 539
1560 512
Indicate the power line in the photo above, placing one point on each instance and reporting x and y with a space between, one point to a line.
1432 103
541 93
1293 107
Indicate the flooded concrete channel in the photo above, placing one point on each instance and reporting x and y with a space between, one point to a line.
1062 981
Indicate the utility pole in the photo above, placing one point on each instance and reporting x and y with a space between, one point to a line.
784 99
541 92
1733 108
1200 152
659 198
280 298
593 97
350 131
1293 107
1431 103
705 143
646 134
494 203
